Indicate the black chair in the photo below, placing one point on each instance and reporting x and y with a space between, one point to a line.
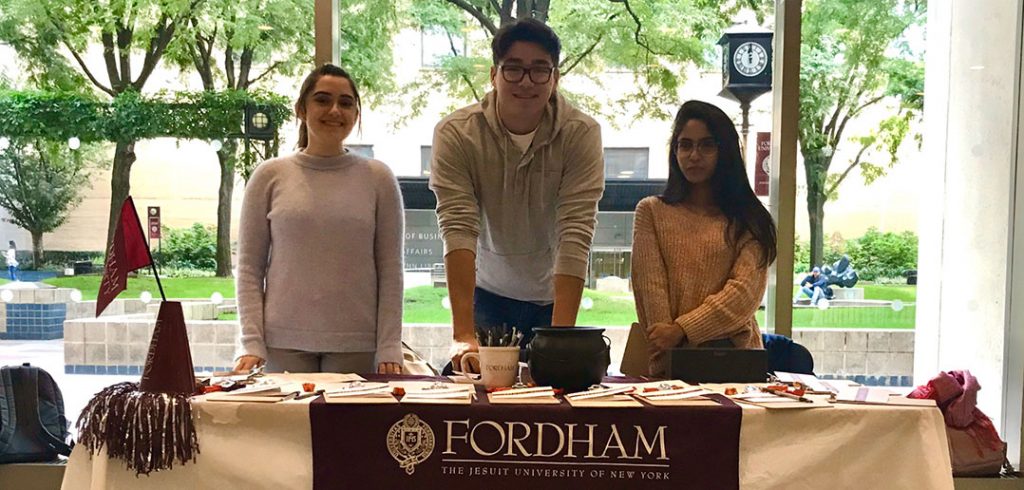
786 355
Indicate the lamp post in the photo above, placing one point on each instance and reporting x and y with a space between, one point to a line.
746 68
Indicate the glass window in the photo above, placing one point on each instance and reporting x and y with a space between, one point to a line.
425 154
363 150
436 44
626 163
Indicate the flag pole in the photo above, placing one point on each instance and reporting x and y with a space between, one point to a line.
152 263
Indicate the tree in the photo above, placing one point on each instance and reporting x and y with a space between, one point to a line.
654 41
252 47
236 44
127 31
41 182
854 57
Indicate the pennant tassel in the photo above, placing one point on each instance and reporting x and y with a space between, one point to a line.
148 431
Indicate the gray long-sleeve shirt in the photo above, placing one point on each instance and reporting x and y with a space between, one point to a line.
320 257
527 215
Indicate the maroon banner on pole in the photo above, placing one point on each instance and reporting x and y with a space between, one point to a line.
127 252
483 446
763 164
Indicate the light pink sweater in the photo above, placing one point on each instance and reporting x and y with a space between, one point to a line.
320 257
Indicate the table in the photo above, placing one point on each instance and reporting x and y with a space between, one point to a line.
269 446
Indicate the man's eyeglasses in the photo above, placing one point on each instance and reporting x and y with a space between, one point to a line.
515 73
706 146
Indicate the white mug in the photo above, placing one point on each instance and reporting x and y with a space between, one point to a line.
498 366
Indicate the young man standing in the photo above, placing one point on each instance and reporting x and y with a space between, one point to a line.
517 177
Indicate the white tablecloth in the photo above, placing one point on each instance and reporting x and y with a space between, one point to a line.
850 446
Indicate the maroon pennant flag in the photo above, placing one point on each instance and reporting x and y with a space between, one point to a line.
126 253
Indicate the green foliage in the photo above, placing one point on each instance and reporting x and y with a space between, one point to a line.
188 248
888 254
876 256
41 183
802 255
652 42
130 117
854 55
64 258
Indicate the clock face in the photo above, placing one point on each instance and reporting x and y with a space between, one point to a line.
750 59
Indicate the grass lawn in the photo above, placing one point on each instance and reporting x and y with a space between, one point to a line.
423 304
174 287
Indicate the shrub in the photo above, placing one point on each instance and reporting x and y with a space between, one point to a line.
189 248
883 255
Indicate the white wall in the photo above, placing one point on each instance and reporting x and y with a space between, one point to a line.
971 92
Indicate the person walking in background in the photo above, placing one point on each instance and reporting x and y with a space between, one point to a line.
320 247
12 261
701 249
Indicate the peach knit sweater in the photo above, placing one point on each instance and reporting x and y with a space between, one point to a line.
685 272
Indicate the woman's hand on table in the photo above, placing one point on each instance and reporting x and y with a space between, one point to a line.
389 368
664 336
246 363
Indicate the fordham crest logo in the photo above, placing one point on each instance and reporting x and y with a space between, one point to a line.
410 442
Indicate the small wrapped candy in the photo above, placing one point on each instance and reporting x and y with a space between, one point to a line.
730 391
308 387
398 391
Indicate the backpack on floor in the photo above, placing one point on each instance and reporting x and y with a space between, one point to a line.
32 423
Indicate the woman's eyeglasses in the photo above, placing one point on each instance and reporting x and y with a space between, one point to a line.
706 147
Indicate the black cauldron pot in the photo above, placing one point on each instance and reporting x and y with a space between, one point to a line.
571 358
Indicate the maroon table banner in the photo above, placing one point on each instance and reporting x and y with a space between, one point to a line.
483 446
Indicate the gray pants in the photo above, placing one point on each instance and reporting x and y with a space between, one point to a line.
298 361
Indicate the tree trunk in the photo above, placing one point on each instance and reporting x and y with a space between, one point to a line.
816 216
37 249
120 183
815 169
227 156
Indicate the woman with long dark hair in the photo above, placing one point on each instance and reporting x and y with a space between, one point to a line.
320 247
701 250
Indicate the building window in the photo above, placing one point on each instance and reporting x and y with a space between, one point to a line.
426 152
361 150
626 163
436 44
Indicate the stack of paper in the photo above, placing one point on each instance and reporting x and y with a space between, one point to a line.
440 394
361 393
813 384
879 396
617 397
674 395
540 395
255 394
775 401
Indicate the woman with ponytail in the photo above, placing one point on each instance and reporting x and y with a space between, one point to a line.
701 250
320 247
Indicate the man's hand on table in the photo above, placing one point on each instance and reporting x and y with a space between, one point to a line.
389 368
461 347
245 364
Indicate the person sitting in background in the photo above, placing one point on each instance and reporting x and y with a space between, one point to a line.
12 261
701 249
320 247
814 285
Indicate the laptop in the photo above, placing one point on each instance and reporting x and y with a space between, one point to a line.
718 365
